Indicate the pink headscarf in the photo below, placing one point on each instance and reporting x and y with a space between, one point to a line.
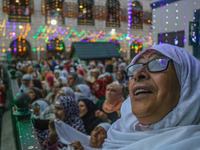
50 79
113 100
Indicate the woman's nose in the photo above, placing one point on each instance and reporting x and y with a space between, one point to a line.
55 111
95 134
141 73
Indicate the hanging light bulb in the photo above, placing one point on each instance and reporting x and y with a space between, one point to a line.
53 22
176 41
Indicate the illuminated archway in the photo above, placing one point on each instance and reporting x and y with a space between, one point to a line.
55 47
135 48
20 48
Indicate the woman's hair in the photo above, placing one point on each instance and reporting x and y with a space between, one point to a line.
37 83
37 91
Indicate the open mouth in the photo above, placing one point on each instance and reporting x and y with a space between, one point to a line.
93 140
141 91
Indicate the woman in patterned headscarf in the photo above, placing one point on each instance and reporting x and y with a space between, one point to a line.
67 111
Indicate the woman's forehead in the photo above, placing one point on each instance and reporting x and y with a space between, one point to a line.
150 54
57 105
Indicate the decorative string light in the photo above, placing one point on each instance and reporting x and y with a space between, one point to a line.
176 24
184 18
129 19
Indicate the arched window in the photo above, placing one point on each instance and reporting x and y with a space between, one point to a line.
54 12
113 13
85 12
136 15
55 45
55 48
19 10
20 48
135 48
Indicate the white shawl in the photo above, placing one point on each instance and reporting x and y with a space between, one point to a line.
180 129
68 134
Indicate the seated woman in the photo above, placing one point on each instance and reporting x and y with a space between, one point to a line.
37 83
98 91
38 107
121 77
51 97
25 83
62 81
162 111
83 92
87 113
66 110
35 94
110 108
71 137
74 79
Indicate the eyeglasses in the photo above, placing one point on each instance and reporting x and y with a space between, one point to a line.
156 65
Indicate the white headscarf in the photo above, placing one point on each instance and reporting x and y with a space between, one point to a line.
85 93
65 73
105 125
68 134
63 79
68 91
42 104
180 128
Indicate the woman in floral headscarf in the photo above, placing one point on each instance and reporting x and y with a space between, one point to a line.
66 110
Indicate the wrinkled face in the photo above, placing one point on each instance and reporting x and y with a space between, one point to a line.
56 88
25 82
32 94
121 68
56 75
115 69
96 74
36 109
111 91
60 81
119 75
96 86
31 84
98 136
59 113
70 80
83 108
60 93
153 95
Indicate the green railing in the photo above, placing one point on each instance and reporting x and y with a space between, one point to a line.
23 130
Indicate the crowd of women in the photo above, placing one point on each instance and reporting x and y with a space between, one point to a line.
74 108
79 95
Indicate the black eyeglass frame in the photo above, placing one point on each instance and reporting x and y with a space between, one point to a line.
147 63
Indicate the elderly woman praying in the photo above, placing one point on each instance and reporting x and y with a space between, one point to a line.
162 111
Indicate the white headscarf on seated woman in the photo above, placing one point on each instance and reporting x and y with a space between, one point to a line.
178 127
83 92
38 107
67 135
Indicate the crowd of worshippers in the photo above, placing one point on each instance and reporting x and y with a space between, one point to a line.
83 97
79 109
